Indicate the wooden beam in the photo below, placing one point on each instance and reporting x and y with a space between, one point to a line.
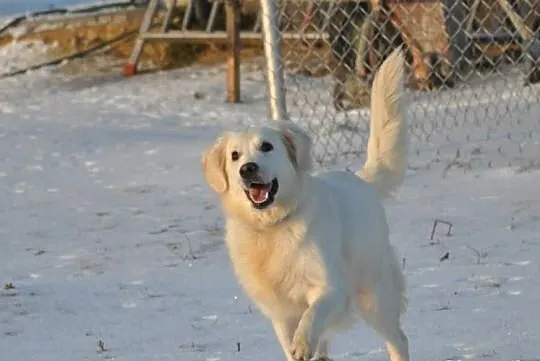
198 36
232 9
516 20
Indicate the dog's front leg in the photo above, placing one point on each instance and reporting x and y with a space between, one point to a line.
284 330
321 353
327 307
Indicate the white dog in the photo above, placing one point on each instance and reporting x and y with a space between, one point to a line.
312 250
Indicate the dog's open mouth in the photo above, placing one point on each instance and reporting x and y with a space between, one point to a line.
262 195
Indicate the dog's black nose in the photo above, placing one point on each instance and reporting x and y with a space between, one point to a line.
249 170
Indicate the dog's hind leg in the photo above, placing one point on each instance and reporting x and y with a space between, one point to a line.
381 310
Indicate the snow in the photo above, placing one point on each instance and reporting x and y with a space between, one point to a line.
21 54
13 7
114 245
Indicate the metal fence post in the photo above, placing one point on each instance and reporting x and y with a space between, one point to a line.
272 52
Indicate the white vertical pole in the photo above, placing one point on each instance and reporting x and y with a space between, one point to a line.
272 52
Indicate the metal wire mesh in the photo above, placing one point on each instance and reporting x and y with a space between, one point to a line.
473 65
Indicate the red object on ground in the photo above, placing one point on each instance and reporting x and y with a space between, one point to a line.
130 69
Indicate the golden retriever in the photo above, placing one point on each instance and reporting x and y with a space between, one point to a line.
312 250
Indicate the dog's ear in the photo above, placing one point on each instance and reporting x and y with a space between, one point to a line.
298 144
213 166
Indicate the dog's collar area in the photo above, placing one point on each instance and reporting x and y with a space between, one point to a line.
262 195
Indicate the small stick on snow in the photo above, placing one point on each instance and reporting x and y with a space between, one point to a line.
479 255
189 256
445 256
436 223
443 308
512 225
101 346
515 213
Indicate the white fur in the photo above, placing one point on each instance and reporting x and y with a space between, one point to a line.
321 252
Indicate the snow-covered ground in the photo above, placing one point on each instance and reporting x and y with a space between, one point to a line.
111 244
12 7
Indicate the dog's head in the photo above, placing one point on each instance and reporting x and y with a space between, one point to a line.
258 172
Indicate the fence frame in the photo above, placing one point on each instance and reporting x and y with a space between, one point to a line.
455 20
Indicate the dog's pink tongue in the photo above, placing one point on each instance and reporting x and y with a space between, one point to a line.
258 195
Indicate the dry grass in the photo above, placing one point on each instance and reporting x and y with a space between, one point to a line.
70 36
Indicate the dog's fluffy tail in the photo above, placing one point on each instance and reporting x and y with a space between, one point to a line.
386 161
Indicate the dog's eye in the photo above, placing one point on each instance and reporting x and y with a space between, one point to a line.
235 155
266 147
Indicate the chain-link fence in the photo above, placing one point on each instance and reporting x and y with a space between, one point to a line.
473 65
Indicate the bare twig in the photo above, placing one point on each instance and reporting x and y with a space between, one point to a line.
443 308
517 211
466 166
195 347
445 256
190 255
436 223
479 255
512 225
101 346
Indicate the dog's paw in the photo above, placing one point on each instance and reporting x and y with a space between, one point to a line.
321 358
300 347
